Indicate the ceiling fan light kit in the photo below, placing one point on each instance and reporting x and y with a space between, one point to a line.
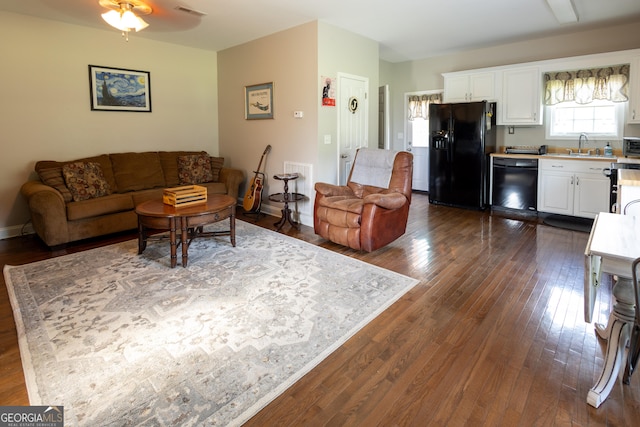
124 15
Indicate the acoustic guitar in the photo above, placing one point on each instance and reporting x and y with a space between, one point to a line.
254 191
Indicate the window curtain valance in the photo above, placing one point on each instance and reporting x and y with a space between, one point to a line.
584 86
419 105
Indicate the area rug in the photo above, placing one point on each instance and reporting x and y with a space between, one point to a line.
119 338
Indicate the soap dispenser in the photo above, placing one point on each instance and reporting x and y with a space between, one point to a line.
608 151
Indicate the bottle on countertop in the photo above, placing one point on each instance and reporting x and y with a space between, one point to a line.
608 151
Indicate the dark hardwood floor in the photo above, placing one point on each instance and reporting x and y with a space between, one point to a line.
493 334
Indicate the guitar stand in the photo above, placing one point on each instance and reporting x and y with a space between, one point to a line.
256 212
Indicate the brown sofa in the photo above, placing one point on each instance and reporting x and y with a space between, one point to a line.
61 213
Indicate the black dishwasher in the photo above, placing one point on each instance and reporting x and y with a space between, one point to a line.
515 183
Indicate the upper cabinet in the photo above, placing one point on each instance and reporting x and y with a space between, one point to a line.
516 91
634 92
469 87
521 99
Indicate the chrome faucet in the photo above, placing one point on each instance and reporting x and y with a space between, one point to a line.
586 138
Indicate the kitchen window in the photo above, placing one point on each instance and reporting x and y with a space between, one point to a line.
600 119
591 101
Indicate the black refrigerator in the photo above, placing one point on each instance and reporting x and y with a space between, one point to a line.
461 138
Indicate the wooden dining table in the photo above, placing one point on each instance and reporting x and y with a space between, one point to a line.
613 245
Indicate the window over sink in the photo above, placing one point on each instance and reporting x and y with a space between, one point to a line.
591 101
598 119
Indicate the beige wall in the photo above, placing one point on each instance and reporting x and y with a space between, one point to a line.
198 96
44 101
427 74
289 60
341 51
294 60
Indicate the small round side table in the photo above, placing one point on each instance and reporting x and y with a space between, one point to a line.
285 198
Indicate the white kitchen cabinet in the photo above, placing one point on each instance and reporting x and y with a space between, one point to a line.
521 98
573 187
634 95
469 87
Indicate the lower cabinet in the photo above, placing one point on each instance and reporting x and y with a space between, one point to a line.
573 187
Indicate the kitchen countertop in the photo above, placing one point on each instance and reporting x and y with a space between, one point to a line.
556 156
629 177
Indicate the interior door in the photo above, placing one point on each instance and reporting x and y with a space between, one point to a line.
418 145
353 113
420 168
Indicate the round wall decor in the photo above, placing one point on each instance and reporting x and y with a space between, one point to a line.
353 104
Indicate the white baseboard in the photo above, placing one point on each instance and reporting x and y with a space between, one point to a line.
15 231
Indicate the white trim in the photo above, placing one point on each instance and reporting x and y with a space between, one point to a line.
15 231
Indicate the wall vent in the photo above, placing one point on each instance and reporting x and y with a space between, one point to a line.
190 11
303 185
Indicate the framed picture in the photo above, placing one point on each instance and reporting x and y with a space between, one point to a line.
258 101
117 89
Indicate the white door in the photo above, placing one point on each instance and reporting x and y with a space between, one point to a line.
418 144
353 121
417 140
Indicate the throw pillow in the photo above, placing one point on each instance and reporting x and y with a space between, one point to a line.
85 180
53 178
194 169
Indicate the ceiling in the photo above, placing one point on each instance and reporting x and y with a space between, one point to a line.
404 29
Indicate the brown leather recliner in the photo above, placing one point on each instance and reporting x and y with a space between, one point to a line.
371 211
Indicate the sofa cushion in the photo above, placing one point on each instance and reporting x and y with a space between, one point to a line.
194 169
137 171
85 180
102 206
144 195
216 166
103 160
169 161
53 178
215 187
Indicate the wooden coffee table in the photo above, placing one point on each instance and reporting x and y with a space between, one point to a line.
186 221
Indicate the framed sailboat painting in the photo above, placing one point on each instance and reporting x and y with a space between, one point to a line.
117 89
258 101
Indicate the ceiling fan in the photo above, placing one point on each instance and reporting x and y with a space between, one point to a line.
165 15
124 15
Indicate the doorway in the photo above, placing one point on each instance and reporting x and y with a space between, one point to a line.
353 121
417 132
384 118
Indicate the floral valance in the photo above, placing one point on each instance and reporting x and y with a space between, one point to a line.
419 105
586 85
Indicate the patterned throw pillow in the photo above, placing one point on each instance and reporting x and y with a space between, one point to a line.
85 180
194 169
53 178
